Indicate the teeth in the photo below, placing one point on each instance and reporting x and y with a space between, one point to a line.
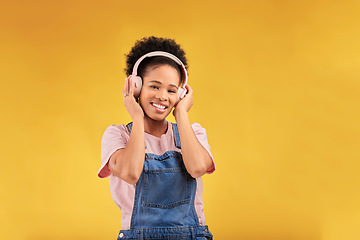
158 106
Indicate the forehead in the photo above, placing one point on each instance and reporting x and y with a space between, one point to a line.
163 73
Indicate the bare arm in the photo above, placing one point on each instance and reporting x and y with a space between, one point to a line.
196 158
127 163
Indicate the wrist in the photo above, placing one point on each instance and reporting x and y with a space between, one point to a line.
138 119
178 113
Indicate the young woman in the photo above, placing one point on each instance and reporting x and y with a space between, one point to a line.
155 166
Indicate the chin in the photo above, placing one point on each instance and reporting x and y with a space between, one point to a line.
157 117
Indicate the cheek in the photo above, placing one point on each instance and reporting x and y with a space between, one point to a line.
141 99
173 99
143 95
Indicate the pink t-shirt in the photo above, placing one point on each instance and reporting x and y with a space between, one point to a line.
123 193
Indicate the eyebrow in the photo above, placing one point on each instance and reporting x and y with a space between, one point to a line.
154 81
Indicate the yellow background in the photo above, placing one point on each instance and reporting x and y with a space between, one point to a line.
276 85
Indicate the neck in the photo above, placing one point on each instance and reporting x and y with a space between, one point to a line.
155 128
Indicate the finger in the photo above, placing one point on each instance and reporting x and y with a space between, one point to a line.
132 87
189 89
124 91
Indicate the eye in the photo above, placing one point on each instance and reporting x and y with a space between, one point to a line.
172 91
154 87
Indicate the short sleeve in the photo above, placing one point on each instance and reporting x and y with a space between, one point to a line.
115 137
200 133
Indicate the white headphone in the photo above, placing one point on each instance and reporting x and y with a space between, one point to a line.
138 81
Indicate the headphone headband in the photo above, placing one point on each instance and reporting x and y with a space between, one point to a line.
164 54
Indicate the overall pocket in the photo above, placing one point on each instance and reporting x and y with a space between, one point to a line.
166 182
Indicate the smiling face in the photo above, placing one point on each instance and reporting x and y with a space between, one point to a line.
159 91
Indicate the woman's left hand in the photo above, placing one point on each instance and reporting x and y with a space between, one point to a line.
185 104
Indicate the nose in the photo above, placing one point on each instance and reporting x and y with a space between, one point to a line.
162 95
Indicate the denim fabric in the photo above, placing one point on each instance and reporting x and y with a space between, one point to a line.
197 233
169 176
164 200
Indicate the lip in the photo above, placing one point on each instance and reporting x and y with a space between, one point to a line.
158 109
157 103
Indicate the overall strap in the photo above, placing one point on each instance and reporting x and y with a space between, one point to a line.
129 126
176 135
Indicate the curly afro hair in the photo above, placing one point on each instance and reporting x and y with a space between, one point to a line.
150 44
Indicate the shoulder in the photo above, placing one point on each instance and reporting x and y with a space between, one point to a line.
114 127
116 131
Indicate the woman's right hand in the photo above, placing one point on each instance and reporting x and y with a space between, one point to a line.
131 105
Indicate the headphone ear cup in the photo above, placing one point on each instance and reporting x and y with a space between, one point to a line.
180 94
138 85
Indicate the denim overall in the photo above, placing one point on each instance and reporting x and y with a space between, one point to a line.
164 200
